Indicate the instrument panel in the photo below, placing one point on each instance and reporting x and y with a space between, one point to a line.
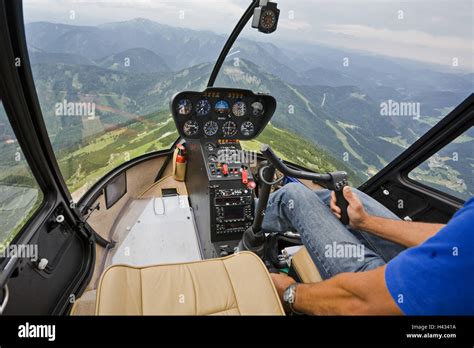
221 113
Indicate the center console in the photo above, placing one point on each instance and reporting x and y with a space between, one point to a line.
218 177
221 189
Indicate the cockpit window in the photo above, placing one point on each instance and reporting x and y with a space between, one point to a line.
105 72
20 194
446 170
357 82
353 83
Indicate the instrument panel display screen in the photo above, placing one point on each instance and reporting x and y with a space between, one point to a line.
222 113
235 212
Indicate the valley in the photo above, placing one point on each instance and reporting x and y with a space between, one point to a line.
332 110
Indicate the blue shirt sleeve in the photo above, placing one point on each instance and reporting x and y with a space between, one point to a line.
437 277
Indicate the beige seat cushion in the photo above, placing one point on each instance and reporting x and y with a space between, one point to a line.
234 285
305 267
85 305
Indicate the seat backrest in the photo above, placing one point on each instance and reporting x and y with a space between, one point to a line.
304 267
235 285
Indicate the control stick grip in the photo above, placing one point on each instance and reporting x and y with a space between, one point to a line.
342 203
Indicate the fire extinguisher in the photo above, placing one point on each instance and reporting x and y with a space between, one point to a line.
179 162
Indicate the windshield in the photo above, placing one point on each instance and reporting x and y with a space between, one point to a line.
356 82
105 72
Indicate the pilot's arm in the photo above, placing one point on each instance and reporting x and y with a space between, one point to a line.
362 293
432 278
406 233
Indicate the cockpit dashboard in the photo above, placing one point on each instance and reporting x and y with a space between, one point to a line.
222 113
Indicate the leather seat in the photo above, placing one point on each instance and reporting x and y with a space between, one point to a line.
234 285
304 267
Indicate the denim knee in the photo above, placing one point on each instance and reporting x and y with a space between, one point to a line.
296 191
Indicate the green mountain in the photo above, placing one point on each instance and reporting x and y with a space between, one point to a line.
134 60
124 99
343 121
336 109
297 150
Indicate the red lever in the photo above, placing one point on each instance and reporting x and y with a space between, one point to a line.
225 169
245 176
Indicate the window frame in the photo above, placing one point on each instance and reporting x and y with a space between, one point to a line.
444 132
21 106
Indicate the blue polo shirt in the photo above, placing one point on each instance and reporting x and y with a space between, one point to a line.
437 277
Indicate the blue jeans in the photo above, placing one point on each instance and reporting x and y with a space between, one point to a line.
334 248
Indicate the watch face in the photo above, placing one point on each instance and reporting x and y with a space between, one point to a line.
289 294
285 295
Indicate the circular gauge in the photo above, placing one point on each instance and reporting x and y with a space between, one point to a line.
190 128
210 128
257 108
239 108
184 107
247 128
203 107
268 19
212 158
229 129
222 107
210 147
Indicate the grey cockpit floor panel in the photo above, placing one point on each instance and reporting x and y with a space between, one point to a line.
155 231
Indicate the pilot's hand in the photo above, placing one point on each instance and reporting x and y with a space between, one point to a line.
355 210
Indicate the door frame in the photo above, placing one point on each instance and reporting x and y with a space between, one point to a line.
444 132
21 104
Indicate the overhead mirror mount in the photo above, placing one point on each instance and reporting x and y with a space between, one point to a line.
265 17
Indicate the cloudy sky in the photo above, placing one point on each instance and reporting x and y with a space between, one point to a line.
435 31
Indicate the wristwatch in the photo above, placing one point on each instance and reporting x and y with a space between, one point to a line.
289 297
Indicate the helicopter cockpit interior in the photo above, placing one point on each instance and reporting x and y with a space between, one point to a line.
209 204
179 229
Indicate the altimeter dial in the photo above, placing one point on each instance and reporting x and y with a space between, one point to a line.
239 108
191 128
203 107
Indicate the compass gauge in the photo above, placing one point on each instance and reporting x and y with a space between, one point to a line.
268 19
265 18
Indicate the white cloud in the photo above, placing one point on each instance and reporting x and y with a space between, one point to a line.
432 31
294 25
405 37
409 44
